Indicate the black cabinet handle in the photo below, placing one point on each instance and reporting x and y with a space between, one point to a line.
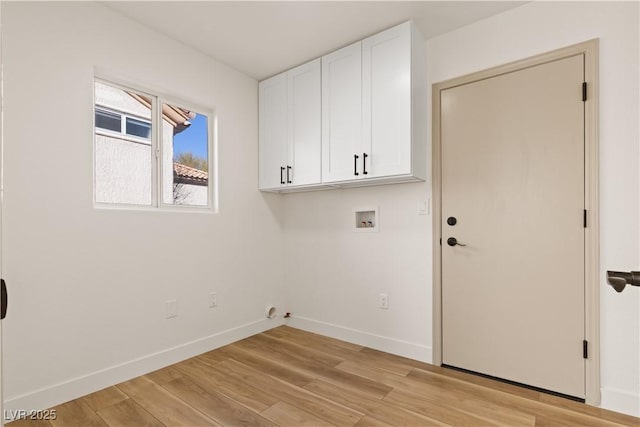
288 170
4 302
355 164
364 163
281 178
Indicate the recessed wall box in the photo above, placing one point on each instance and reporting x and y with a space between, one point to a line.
366 220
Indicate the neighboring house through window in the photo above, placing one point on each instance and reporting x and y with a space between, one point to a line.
135 165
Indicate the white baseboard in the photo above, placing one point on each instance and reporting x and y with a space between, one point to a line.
620 401
86 384
411 350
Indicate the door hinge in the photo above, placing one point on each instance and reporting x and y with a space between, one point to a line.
584 91
585 349
441 241
584 218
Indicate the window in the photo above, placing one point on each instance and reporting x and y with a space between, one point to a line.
149 152
120 123
108 120
138 128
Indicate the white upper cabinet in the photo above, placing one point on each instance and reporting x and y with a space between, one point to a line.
374 110
355 117
289 128
341 113
304 124
272 131
386 102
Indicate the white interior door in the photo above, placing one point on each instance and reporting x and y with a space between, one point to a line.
513 179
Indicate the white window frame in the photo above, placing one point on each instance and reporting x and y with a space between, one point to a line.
157 99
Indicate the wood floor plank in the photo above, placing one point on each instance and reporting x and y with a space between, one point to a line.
368 421
440 403
135 386
275 369
320 370
76 413
394 358
28 423
445 412
299 341
128 413
206 377
371 407
167 408
419 373
105 397
300 350
604 414
213 357
560 416
286 415
289 331
325 409
164 375
215 405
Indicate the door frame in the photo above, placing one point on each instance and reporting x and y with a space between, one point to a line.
1 196
2 414
591 161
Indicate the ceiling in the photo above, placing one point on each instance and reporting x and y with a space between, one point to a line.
263 38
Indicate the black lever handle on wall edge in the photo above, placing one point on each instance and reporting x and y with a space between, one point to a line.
355 164
5 301
364 163
281 172
288 178
619 279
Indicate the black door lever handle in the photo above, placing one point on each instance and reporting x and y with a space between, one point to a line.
5 301
619 279
452 241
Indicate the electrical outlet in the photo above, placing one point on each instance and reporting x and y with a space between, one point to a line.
384 301
172 308
213 299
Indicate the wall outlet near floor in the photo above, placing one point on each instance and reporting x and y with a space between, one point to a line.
213 299
172 308
383 301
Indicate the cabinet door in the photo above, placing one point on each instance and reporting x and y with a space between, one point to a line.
341 113
304 124
386 101
272 110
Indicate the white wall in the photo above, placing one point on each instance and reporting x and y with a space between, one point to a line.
88 286
333 276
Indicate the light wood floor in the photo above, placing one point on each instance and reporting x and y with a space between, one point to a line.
290 377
